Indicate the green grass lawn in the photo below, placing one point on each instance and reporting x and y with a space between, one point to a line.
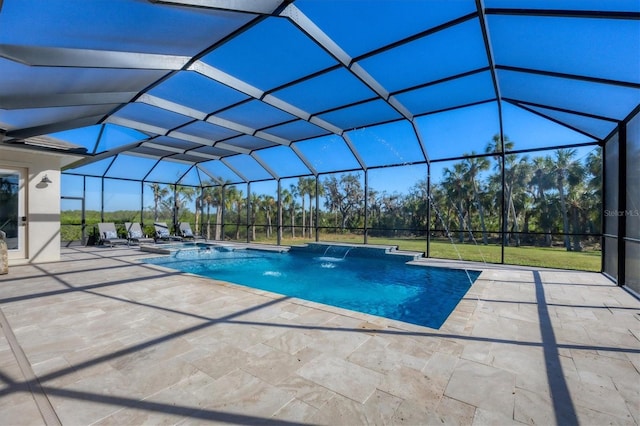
548 257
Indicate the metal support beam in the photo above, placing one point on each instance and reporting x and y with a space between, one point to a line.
279 234
428 252
622 202
594 14
354 151
39 56
317 211
261 7
59 126
190 138
522 103
304 159
249 208
202 155
265 166
597 80
11 102
161 147
171 106
366 206
213 177
494 77
103 155
234 170
252 91
137 125
223 122
226 79
331 47
232 148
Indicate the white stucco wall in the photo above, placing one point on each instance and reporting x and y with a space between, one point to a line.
42 203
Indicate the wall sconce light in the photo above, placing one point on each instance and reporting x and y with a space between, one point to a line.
45 180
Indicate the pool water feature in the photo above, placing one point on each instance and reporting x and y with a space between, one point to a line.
173 248
367 281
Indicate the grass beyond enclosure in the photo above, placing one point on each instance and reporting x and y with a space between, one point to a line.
547 257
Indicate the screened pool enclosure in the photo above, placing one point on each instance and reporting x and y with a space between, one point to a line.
487 130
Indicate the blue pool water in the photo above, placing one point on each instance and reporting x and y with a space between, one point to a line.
381 285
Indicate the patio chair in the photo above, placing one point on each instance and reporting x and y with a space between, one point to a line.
109 235
135 234
187 233
163 234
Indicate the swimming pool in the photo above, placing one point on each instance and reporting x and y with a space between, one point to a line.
360 280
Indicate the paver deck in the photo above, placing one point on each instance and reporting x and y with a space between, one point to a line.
99 338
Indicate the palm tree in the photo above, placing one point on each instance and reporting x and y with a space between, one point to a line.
207 198
159 193
286 199
302 191
183 195
541 181
268 204
307 186
566 169
294 194
310 184
455 184
576 200
593 166
198 210
255 202
234 200
495 147
475 166
212 195
517 172
219 202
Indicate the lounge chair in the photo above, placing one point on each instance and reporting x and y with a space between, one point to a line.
187 233
163 234
135 234
109 235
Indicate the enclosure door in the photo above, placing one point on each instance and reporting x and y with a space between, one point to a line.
72 221
13 219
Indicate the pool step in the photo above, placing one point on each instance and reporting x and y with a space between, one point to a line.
356 250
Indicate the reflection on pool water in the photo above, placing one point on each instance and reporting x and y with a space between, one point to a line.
363 280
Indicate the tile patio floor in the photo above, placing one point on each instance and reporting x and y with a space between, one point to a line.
99 338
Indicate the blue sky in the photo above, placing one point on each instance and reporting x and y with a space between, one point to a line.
443 134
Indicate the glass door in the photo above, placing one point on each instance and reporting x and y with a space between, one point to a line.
13 220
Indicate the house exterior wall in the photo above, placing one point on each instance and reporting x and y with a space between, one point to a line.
42 204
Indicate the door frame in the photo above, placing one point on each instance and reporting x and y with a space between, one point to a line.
83 222
22 234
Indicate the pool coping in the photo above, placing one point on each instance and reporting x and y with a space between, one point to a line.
458 314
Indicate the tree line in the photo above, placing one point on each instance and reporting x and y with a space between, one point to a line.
550 198
545 197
